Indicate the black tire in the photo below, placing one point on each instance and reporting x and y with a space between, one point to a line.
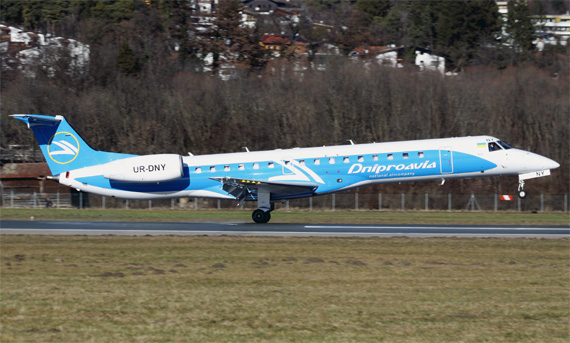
260 216
522 194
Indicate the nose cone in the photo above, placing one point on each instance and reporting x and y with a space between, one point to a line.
542 163
551 164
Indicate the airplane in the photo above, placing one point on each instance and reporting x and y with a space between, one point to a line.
275 175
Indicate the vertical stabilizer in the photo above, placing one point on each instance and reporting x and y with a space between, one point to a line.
62 147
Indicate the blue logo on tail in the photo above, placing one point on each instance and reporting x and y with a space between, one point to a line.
60 144
63 147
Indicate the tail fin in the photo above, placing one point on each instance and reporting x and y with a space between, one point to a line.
62 147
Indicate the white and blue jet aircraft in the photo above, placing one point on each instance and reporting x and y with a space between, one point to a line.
273 176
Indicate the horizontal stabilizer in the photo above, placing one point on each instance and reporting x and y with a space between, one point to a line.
33 120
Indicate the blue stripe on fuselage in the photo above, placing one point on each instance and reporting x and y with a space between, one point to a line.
167 186
373 167
427 165
342 175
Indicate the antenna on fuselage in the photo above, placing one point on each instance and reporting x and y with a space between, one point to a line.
246 149
351 142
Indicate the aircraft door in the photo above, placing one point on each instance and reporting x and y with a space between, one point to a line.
446 160
286 163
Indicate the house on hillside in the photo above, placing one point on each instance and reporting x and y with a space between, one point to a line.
557 25
22 50
548 39
272 6
261 6
205 6
426 61
383 55
276 44
282 12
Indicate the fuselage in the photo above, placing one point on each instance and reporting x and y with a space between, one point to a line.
270 176
329 169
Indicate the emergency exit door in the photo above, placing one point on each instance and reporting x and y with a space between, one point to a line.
446 160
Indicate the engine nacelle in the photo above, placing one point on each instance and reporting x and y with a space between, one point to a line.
147 168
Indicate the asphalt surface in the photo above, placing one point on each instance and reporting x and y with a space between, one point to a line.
293 230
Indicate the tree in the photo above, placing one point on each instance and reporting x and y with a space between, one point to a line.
463 26
382 19
54 12
230 40
11 12
127 60
393 27
423 16
454 29
374 9
32 14
520 28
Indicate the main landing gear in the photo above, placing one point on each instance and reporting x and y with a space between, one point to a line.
260 216
264 207
522 192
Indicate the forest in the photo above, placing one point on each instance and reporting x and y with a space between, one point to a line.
161 102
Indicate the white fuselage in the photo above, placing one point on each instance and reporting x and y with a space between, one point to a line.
331 169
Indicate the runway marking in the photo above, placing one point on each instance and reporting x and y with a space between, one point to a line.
265 233
432 228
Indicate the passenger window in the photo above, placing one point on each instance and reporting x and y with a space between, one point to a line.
331 160
360 158
346 160
405 156
302 162
421 154
212 169
317 161
271 165
198 170
226 168
256 165
390 156
241 167
374 157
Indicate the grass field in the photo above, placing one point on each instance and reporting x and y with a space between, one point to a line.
253 289
282 216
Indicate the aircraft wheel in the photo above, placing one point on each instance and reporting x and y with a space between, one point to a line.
522 194
260 216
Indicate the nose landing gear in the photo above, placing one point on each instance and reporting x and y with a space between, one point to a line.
522 192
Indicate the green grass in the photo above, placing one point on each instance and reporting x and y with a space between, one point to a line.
282 216
252 289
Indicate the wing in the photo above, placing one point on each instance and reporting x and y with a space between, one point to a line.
240 188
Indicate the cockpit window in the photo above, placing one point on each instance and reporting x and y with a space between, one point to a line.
493 146
504 145
498 145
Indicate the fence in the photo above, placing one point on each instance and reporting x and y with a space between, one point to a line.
340 201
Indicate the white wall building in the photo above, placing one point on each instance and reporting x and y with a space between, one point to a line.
426 61
555 30
22 50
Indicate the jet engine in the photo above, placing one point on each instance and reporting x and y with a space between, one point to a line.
147 168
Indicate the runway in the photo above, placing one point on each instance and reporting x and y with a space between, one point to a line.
284 230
